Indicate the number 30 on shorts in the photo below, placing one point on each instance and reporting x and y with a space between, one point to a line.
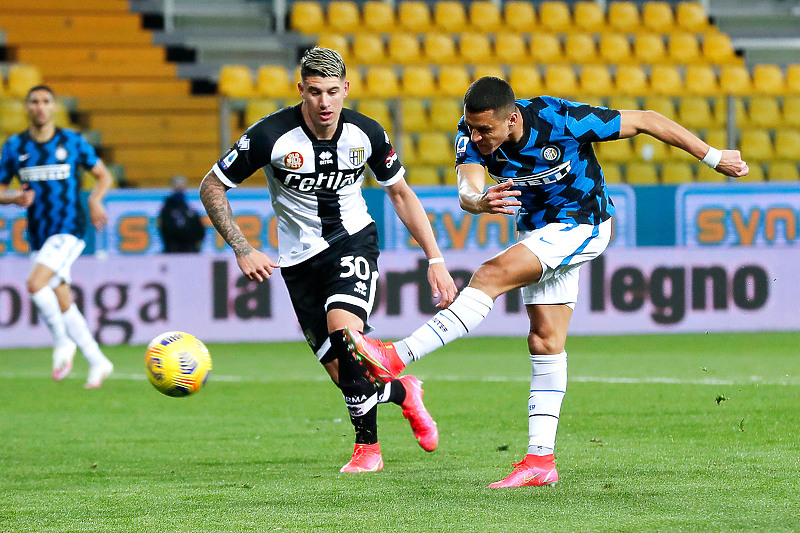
355 266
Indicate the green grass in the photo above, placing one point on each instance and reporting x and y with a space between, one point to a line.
658 433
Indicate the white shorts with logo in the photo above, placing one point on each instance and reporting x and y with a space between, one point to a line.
58 253
562 249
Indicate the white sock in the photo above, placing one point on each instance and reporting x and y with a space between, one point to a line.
548 386
46 303
463 315
78 330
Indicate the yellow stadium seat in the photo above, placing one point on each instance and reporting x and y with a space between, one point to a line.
793 78
596 80
61 116
545 48
511 48
404 48
445 113
560 80
665 79
756 145
554 16
721 111
335 41
382 82
13 118
612 173
650 149
768 79
379 16
484 16
709 175
435 149
787 144
580 48
631 80
756 174
684 49
343 16
272 81
22 77
307 17
525 80
368 49
716 137
493 70
418 81
377 109
236 81
639 173
439 48
700 79
415 16
453 80
658 17
675 172
450 16
649 48
735 79
783 171
413 115
623 102
409 155
692 17
589 16
791 111
695 112
519 16
662 105
718 50
765 112
423 175
258 108
623 17
615 48
619 151
475 48
356 82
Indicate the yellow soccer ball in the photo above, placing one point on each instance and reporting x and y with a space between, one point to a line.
177 364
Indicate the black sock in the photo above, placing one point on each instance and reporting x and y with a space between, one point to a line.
397 392
359 393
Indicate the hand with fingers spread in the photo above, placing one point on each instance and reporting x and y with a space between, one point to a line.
500 198
256 265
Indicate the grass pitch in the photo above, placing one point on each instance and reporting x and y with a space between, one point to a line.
658 433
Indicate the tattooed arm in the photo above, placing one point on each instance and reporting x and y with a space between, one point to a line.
254 264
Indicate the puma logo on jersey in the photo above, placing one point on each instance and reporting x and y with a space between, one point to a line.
24 157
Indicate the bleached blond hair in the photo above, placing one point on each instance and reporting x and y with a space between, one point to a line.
322 62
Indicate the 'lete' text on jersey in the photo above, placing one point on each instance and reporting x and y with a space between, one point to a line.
553 164
314 185
50 170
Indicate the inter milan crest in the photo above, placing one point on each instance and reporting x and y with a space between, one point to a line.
551 153
356 156
61 153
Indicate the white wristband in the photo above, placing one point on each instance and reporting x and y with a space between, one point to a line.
712 158
434 260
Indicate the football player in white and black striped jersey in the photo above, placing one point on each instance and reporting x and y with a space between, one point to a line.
314 155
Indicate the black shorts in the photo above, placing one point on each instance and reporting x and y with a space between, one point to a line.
343 276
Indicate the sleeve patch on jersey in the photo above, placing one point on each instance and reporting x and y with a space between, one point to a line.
293 160
391 158
461 145
229 159
244 143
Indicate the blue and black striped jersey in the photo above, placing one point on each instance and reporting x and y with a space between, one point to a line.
51 170
553 164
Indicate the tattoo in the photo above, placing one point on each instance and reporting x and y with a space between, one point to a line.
212 194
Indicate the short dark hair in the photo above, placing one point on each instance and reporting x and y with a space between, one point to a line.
489 93
40 87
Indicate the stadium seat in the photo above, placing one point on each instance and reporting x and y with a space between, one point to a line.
408 151
61 116
650 149
545 48
580 48
526 80
694 112
649 48
494 70
631 80
13 118
588 16
692 17
756 174
787 144
661 104
735 79
423 175
718 50
554 16
700 79
378 109
793 78
721 111
22 77
413 115
450 16
418 81
519 16
368 49
623 102
356 83
768 79
439 48
272 81
596 80
560 80
453 80
756 145
684 49
623 17
764 112
335 41
382 82
783 171
676 172
343 16
612 173
791 111
658 17
379 16
709 175
512 48
716 137
619 151
615 48
484 16
307 17
665 79
639 173
434 148
445 113
235 81
415 16
475 48
257 108
404 48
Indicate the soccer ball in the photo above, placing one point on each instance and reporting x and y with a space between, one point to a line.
177 364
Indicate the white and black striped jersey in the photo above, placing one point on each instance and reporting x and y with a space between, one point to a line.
314 185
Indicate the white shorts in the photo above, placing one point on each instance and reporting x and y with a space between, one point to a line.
562 249
58 253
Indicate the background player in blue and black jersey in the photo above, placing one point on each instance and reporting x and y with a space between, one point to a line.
540 153
47 160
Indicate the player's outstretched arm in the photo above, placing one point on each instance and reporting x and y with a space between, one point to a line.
473 199
254 264
103 182
727 162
